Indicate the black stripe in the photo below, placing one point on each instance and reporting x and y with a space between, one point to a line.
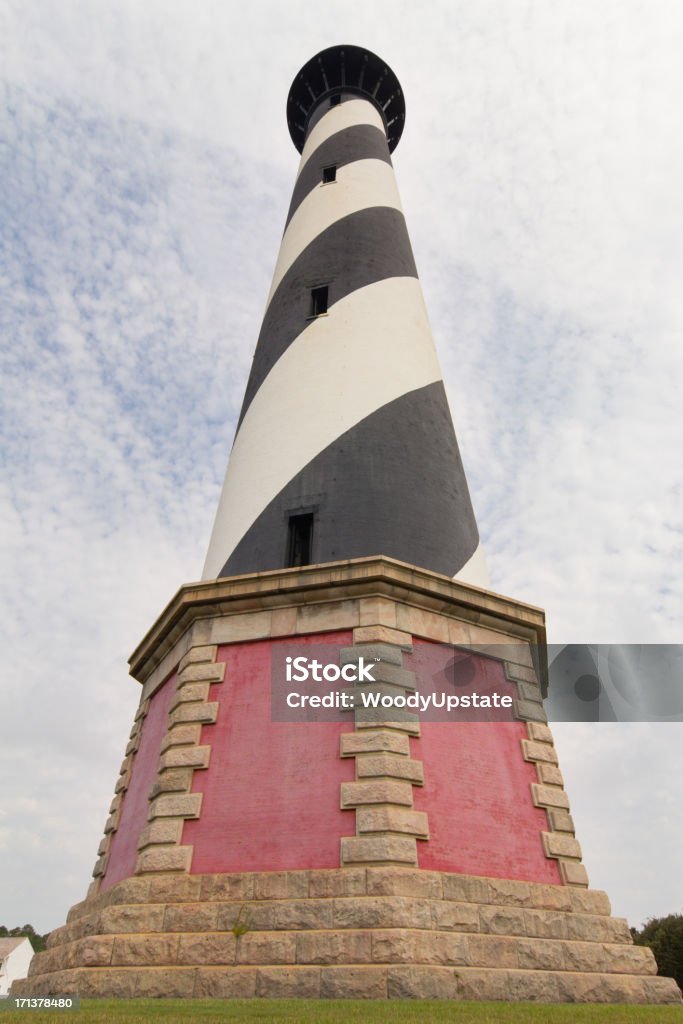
392 485
359 142
367 246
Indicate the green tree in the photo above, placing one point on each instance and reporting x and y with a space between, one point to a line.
664 936
36 940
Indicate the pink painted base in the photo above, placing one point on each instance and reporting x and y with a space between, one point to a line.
477 789
271 793
477 795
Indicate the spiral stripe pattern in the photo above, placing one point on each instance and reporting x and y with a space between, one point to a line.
345 418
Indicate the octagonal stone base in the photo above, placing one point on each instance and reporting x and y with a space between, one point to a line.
354 933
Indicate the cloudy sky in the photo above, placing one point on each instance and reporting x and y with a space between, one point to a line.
145 173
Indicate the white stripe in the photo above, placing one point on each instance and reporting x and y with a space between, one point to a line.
359 186
344 115
474 571
374 346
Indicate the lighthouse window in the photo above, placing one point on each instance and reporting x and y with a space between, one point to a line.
318 301
300 539
329 174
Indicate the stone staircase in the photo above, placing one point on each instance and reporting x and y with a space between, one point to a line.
368 932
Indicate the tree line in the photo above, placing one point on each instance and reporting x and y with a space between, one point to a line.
664 936
37 941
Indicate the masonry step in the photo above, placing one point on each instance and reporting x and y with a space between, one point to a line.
339 946
398 981
344 913
345 882
354 932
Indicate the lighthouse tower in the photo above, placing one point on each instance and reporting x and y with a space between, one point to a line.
251 851
345 445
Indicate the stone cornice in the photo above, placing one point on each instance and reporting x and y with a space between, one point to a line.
333 581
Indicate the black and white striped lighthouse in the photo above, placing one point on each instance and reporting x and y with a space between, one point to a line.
251 851
345 445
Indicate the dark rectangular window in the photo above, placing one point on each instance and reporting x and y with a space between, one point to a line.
335 100
300 540
318 300
329 174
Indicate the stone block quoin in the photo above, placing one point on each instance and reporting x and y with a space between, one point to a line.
559 842
171 800
120 789
387 825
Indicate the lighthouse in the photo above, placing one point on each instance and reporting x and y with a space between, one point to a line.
250 852
345 445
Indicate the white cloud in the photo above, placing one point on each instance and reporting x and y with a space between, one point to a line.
624 799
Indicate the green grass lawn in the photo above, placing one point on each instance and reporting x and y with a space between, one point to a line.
311 1011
